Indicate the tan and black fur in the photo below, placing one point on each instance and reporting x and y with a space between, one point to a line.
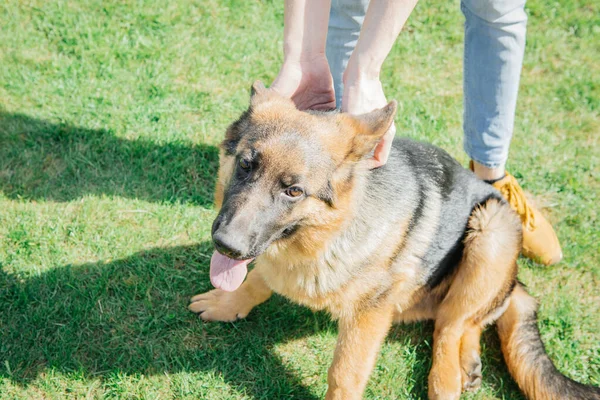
420 238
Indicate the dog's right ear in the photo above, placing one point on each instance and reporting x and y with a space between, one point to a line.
257 88
261 97
259 94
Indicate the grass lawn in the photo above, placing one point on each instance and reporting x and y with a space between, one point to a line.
110 113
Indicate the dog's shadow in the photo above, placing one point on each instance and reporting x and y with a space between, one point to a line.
129 316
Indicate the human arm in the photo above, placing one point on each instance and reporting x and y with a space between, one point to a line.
305 76
362 87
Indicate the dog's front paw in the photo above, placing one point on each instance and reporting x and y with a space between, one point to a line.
219 305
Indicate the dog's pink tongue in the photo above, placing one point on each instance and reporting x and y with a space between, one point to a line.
227 273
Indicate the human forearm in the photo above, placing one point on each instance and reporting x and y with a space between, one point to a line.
304 76
362 88
382 25
305 29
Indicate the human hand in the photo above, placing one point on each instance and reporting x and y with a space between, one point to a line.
363 95
308 83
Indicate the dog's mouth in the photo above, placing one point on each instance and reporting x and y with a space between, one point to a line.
227 273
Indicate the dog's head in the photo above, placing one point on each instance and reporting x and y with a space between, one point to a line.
284 171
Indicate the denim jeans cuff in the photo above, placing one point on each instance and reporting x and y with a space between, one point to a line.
480 160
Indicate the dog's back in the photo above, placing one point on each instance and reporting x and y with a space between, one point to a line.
437 185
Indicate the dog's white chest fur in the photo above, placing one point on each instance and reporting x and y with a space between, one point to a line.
309 281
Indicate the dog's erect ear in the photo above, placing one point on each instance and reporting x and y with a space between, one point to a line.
257 88
368 129
377 122
260 95
261 99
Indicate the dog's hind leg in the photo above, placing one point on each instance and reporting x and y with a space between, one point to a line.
445 376
484 279
219 305
470 360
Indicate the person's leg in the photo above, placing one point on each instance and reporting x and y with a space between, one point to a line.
494 49
345 21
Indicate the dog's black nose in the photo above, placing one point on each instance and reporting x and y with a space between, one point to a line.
226 246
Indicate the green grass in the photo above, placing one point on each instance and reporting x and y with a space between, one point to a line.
110 112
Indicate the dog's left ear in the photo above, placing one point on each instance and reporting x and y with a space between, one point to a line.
369 128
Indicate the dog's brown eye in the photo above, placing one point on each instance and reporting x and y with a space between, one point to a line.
294 191
244 164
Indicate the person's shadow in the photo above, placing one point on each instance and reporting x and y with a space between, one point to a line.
59 162
130 316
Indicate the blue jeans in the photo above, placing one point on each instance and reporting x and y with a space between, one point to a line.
494 46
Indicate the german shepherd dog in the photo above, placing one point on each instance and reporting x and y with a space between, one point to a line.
419 238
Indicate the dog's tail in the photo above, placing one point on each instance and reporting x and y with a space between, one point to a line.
526 357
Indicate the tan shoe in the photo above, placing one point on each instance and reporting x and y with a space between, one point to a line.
539 239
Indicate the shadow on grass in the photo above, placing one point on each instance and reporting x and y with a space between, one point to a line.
44 161
129 316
